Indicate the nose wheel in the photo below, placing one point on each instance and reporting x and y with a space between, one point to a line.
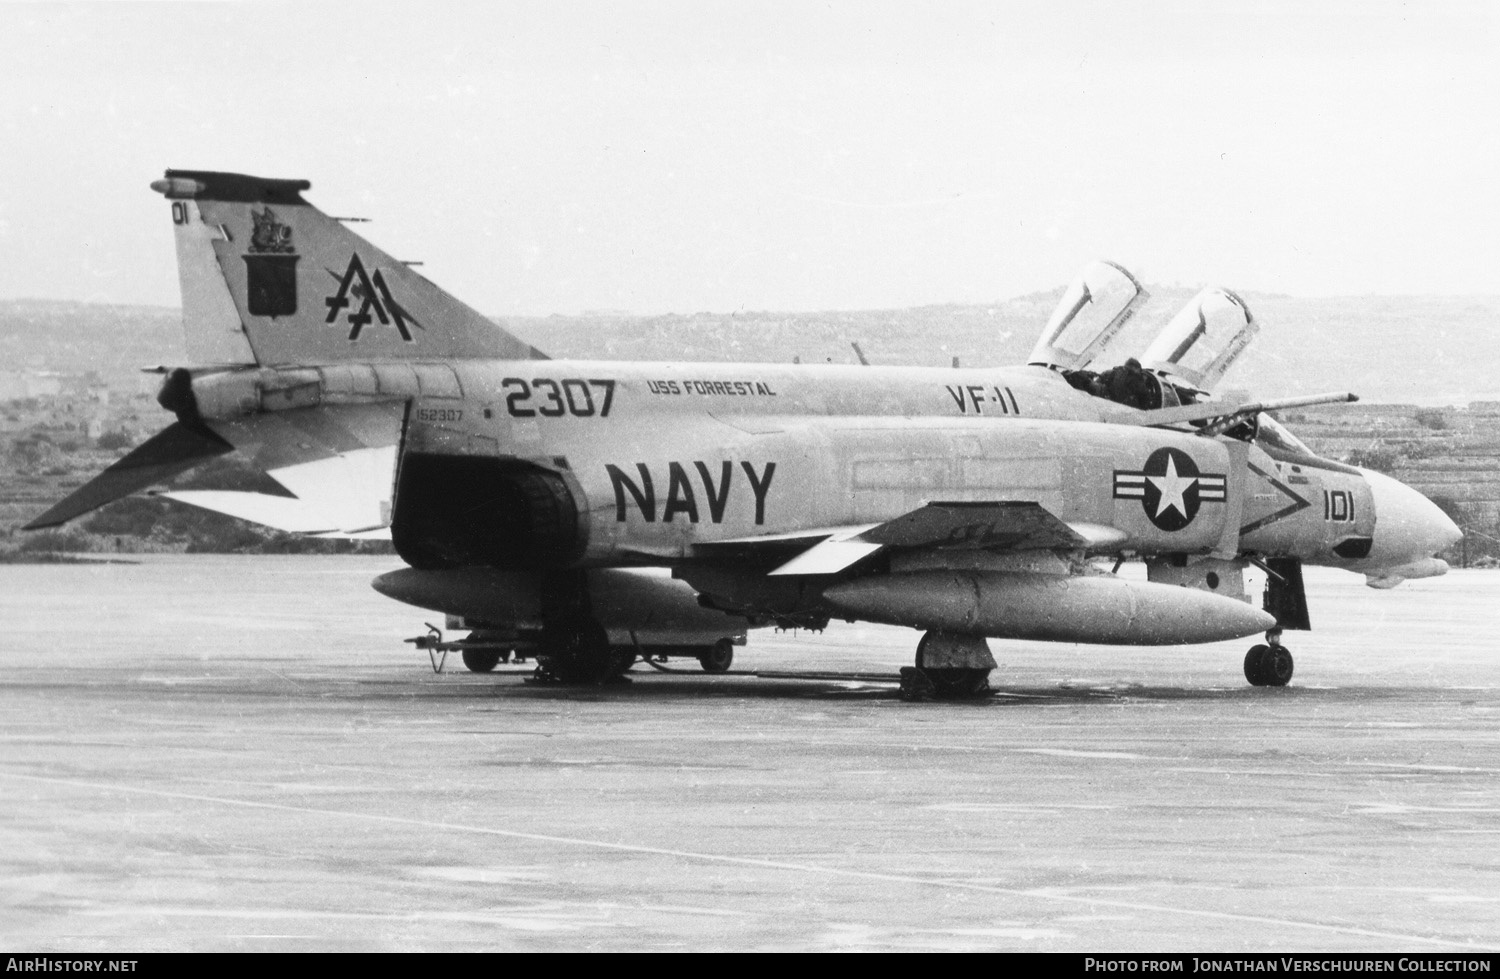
1269 664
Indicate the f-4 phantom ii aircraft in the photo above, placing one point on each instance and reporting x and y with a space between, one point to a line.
528 494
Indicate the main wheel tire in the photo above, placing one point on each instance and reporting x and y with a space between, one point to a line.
954 683
481 660
578 654
718 658
922 645
622 659
949 682
1277 666
1254 669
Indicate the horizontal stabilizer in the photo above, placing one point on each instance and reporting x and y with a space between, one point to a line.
342 495
379 533
175 449
279 512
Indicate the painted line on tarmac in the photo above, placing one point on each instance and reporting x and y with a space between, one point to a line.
1041 894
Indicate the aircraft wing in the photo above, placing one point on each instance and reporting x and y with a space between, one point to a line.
990 526
1008 526
339 475
829 557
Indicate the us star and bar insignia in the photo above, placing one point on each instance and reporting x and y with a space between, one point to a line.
1170 488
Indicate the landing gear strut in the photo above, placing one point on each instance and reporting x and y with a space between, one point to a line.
579 654
948 667
1269 664
575 649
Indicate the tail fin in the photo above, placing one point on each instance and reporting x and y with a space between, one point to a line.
269 279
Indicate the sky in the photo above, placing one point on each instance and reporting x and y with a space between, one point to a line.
674 157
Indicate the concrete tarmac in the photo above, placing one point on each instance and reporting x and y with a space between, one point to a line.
211 753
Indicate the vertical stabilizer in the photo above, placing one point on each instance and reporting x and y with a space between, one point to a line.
269 279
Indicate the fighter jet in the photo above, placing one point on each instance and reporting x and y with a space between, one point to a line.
587 511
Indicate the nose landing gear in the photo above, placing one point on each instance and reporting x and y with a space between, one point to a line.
1269 664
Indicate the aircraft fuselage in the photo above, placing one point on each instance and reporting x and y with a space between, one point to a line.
664 458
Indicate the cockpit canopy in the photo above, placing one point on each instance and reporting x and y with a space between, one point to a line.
1203 341
1182 365
1093 311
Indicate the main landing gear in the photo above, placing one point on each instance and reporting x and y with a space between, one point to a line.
575 649
1269 664
949 667
578 653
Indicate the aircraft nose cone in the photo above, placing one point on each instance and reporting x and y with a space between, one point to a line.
1408 525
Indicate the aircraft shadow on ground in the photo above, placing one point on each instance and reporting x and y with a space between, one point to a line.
399 686
678 687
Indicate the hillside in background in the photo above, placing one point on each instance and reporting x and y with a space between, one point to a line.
1427 350
1416 349
113 341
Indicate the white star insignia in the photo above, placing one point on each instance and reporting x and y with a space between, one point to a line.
1172 486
